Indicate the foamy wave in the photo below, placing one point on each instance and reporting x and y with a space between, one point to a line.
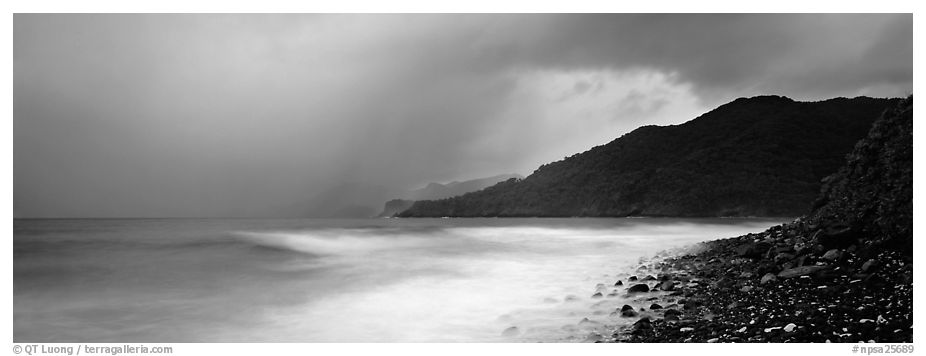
333 243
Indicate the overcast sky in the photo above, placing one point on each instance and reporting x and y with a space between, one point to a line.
240 115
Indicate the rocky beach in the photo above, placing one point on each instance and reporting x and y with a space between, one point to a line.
842 273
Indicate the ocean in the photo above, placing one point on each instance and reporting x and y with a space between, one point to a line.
334 280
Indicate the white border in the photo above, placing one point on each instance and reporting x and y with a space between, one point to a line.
417 6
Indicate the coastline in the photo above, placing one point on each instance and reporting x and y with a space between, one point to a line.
786 284
842 273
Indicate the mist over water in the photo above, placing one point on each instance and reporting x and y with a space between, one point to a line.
315 280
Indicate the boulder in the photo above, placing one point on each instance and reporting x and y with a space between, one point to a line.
655 306
619 283
800 271
597 295
638 288
837 237
752 249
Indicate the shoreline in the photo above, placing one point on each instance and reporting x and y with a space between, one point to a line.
789 283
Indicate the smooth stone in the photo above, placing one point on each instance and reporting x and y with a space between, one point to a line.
768 277
868 265
799 271
672 312
838 237
832 255
782 257
643 323
638 288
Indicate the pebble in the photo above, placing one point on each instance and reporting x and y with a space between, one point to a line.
832 255
767 278
834 298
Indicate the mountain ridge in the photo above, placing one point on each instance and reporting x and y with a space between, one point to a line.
438 191
759 156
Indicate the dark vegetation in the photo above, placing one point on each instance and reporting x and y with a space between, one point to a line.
760 156
434 191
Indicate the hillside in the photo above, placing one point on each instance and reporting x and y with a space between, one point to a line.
760 156
843 273
871 197
440 191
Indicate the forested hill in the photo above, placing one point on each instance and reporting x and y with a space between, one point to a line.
760 156
872 195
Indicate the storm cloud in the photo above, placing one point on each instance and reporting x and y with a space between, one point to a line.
258 115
